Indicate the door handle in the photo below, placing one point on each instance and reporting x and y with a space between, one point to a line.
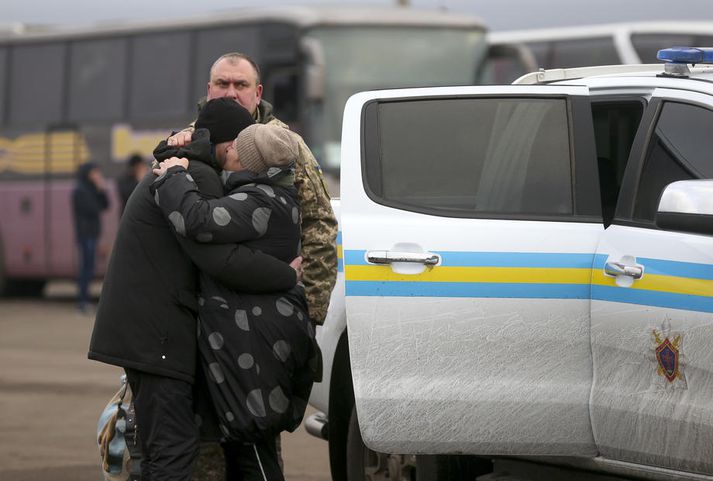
389 257
621 269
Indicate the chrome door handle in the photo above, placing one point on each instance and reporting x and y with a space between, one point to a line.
389 257
620 269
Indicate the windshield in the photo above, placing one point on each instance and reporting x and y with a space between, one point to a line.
369 58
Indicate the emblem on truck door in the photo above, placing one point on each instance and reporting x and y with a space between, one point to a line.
668 353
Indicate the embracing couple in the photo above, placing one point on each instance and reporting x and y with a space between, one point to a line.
201 305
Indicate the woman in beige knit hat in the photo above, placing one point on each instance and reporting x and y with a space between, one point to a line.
259 350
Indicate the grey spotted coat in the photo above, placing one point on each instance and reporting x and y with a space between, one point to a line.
258 351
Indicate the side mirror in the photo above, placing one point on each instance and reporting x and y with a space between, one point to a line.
314 70
687 206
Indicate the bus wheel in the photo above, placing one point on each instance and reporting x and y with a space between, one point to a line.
3 276
363 464
25 287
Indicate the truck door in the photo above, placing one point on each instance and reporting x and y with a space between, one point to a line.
470 219
652 302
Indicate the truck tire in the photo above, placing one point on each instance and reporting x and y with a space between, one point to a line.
450 467
363 464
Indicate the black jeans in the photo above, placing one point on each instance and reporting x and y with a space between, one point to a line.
166 426
252 462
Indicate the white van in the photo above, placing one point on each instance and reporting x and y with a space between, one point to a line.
514 53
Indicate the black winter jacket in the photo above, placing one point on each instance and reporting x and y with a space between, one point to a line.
258 350
146 318
87 203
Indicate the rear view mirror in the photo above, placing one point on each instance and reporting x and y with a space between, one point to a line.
687 206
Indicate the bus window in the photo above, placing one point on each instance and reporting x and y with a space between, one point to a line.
542 52
281 87
212 43
280 45
93 80
3 84
584 52
37 83
159 81
569 53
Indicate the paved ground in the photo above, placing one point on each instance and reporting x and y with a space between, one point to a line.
51 396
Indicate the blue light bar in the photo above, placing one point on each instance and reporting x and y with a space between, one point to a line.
686 55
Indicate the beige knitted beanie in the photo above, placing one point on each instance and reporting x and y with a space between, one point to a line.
262 146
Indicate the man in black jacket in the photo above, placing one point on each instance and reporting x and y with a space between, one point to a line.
89 199
146 316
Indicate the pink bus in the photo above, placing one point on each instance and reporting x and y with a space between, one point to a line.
102 93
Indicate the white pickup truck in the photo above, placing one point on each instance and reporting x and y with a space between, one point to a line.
528 275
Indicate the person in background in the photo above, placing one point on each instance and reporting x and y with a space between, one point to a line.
89 199
136 168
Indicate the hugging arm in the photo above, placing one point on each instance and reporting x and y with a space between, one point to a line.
234 265
233 218
239 267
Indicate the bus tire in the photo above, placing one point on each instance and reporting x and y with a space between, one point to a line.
3 273
25 287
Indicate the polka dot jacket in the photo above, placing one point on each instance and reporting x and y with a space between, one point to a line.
257 350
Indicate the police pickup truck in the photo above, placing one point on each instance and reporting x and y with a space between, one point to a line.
527 275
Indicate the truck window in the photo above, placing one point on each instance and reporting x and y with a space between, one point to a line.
467 157
615 126
680 148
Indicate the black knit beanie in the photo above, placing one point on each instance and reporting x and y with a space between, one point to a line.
224 118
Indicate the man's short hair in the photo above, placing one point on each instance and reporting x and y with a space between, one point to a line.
134 160
233 58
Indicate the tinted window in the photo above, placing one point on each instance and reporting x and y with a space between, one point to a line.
680 148
584 52
36 83
3 82
569 53
97 79
160 75
281 87
615 126
211 44
468 156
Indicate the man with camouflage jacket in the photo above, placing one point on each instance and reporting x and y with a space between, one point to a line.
237 76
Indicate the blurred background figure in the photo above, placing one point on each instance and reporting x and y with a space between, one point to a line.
89 199
135 170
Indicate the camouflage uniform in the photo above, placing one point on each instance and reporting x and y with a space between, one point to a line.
319 225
